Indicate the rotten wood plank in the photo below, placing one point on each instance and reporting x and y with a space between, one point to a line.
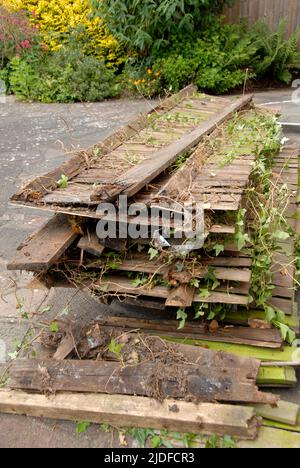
183 296
91 244
44 184
46 247
118 410
204 383
139 176
264 338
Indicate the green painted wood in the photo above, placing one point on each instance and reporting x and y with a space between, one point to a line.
268 355
285 412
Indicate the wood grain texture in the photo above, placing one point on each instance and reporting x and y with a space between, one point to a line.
119 411
201 383
46 246
142 174
268 338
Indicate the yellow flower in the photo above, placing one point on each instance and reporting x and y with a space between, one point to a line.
149 71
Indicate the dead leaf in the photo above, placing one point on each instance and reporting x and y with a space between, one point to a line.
133 358
259 324
213 326
122 439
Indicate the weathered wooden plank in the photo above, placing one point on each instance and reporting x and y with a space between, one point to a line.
285 305
141 263
118 410
46 247
122 286
270 338
182 296
279 377
221 298
273 438
91 244
264 355
35 189
285 427
153 379
139 176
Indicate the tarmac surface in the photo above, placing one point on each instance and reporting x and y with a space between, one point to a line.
33 139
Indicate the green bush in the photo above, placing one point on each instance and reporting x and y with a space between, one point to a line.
147 25
276 55
64 76
224 56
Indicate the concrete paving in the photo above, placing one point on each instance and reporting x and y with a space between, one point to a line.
33 139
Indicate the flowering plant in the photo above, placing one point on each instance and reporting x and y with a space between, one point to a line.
145 82
16 35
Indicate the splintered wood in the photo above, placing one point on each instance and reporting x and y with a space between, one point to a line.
152 144
146 366
191 149
195 151
132 411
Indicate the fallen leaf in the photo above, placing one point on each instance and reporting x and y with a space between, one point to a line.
213 326
122 439
259 324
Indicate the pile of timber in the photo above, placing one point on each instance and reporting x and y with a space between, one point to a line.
149 382
175 154
161 160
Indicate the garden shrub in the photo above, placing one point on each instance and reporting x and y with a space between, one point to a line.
17 35
223 57
277 55
145 26
58 20
64 76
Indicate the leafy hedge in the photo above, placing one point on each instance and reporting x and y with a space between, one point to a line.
57 20
86 50
147 25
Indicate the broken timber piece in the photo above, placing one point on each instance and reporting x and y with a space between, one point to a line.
91 244
204 383
34 190
46 246
268 338
183 296
121 411
142 174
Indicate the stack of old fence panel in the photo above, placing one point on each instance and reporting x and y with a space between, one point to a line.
160 160
136 161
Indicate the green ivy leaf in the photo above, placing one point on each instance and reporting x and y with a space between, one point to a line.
182 316
218 248
63 182
116 348
204 293
54 327
82 426
281 235
156 442
154 253
270 313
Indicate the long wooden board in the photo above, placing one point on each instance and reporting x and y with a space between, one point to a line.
152 379
46 247
120 410
42 185
118 286
139 176
197 330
